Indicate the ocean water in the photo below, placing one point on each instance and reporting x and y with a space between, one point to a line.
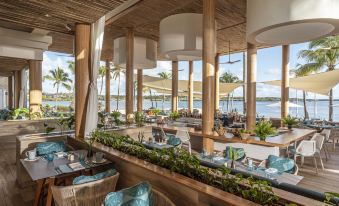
321 110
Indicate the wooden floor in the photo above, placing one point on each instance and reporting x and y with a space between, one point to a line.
10 194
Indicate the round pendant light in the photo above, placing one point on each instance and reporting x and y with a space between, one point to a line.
291 21
145 53
181 37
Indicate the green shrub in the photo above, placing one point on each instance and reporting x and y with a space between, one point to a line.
264 129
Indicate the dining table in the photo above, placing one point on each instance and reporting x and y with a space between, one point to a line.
46 172
216 162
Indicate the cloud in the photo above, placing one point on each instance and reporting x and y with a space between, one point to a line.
273 71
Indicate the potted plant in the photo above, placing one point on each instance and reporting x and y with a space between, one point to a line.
174 115
116 117
48 129
155 111
139 118
289 121
245 134
264 129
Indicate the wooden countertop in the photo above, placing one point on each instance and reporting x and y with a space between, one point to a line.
282 140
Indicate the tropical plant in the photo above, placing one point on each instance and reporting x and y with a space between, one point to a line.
290 121
331 198
117 72
48 129
264 129
139 118
181 161
101 75
164 75
321 53
228 77
174 115
116 115
20 113
155 111
59 78
5 114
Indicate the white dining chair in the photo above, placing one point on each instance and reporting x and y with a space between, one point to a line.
327 134
310 148
185 138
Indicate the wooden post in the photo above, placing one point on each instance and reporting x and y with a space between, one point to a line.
139 92
251 86
82 66
190 87
217 75
129 71
108 88
35 86
208 78
10 92
174 86
285 82
244 77
17 88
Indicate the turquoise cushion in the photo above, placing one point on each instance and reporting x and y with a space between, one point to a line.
138 195
84 179
240 153
44 148
280 163
173 140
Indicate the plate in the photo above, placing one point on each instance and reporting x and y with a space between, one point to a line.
28 160
95 162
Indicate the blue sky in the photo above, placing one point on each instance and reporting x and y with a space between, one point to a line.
268 68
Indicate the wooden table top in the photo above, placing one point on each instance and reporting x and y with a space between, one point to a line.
281 140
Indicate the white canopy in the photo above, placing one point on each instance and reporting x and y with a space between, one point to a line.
320 83
165 86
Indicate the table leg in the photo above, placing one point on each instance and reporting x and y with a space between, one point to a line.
40 184
51 182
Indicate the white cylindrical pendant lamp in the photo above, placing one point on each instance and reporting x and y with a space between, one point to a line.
285 22
181 37
145 53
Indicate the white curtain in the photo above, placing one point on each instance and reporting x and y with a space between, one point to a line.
97 36
23 89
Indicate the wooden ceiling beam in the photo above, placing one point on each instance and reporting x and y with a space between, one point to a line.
122 10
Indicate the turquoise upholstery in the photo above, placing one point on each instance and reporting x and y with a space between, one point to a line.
84 179
45 148
240 153
138 195
281 164
173 140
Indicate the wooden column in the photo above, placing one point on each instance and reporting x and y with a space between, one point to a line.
285 82
217 75
10 92
108 88
208 78
82 66
251 86
139 92
174 86
129 71
17 88
190 87
35 86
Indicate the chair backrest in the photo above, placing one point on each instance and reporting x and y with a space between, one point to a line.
162 133
160 199
87 194
319 140
183 134
307 147
327 133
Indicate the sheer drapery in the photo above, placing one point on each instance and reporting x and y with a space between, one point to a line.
97 35
23 89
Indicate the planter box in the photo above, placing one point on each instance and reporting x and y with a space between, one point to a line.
180 189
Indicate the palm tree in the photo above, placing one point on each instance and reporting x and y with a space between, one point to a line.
60 78
164 75
116 73
101 75
321 53
71 68
228 77
299 72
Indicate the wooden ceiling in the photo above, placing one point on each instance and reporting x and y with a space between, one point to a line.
8 65
60 16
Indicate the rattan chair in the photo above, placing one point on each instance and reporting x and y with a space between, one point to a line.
160 199
87 194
